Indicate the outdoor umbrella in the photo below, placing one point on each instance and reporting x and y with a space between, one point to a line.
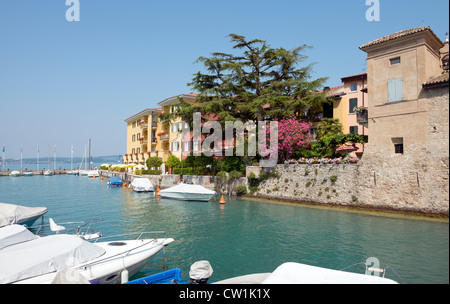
346 149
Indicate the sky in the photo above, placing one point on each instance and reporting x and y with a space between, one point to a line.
63 83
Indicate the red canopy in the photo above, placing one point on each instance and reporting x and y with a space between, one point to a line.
346 149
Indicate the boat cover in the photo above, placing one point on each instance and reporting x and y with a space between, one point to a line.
44 255
115 180
296 273
187 188
15 234
15 214
200 270
144 183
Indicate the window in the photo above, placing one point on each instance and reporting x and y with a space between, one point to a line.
398 148
394 61
353 103
395 90
354 130
133 138
175 146
186 145
398 145
354 86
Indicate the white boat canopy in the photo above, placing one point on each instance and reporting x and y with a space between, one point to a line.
296 273
142 183
187 188
15 234
44 255
13 214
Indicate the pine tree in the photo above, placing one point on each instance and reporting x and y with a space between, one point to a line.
258 82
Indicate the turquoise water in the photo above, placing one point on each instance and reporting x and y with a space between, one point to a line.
243 236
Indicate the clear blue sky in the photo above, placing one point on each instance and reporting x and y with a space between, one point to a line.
62 82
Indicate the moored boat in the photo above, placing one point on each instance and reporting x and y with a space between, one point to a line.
297 273
142 184
29 259
15 173
115 181
187 192
28 173
15 214
93 173
48 173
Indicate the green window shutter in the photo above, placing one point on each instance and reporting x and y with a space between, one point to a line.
353 103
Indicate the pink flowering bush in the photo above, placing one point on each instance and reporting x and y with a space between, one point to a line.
293 135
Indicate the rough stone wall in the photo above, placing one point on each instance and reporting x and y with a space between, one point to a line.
415 182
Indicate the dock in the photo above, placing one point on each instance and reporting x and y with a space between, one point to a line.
35 172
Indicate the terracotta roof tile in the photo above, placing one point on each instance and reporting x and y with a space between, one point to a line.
398 35
441 79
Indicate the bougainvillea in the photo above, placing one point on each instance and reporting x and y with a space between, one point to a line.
293 135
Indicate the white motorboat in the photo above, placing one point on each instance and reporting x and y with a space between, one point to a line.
93 173
72 172
83 172
48 173
187 192
297 273
15 173
142 184
29 259
15 214
28 173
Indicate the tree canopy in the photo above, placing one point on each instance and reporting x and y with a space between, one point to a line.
257 82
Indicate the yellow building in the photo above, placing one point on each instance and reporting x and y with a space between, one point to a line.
142 140
169 132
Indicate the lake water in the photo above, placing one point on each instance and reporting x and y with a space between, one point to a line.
243 236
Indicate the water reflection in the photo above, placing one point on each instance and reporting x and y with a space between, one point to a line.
243 236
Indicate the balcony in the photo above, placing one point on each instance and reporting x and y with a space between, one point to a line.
164 137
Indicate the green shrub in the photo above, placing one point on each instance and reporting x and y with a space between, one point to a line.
241 190
333 179
151 172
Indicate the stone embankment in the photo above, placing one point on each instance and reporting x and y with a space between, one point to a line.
165 180
358 186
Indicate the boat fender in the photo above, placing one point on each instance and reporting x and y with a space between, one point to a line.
124 276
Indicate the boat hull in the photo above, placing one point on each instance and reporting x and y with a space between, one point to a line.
188 196
108 268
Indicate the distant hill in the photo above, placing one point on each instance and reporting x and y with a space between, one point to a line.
108 159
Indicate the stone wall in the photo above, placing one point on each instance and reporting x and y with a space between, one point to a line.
358 186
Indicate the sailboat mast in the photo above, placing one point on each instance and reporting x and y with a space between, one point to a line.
90 154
